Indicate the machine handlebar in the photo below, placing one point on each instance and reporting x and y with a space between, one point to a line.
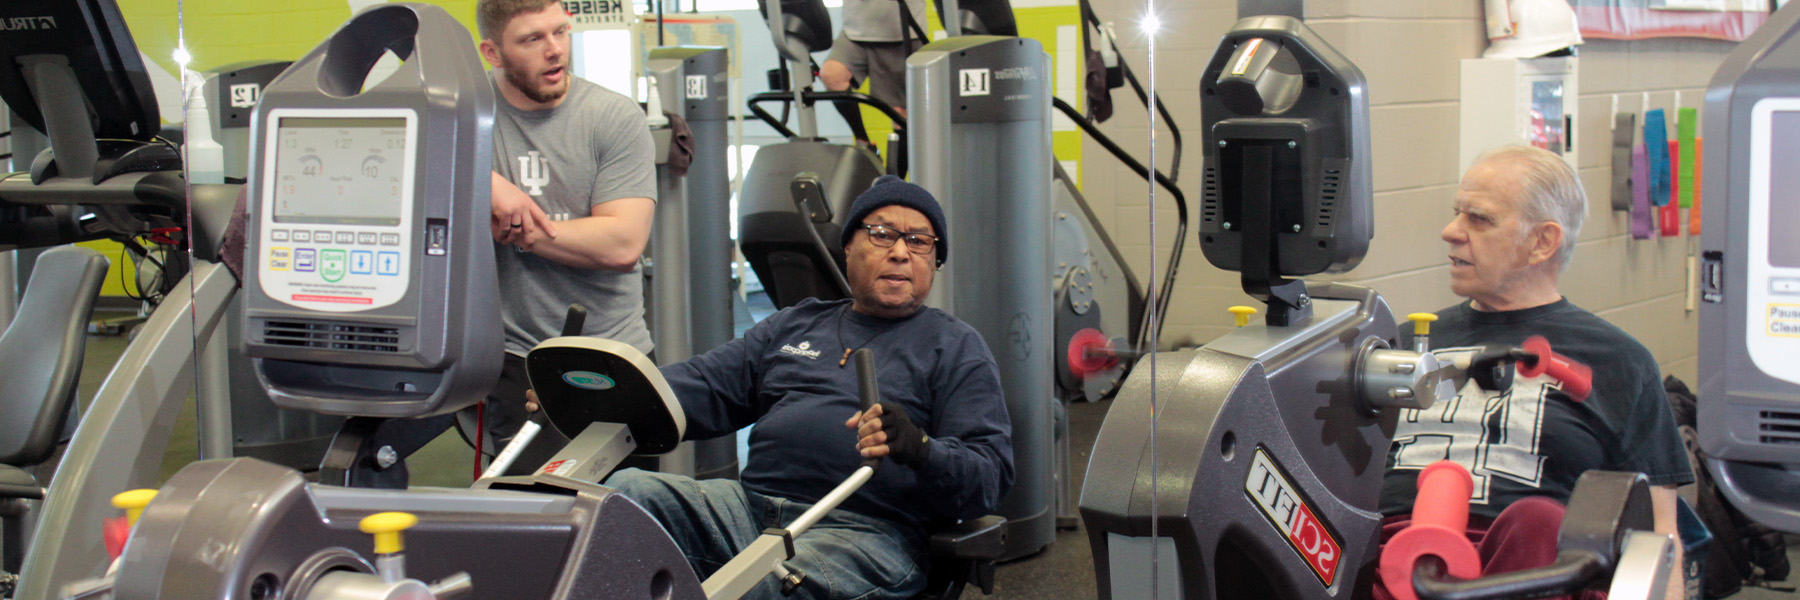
574 321
1433 559
1438 535
814 96
1090 352
1570 573
1577 378
867 389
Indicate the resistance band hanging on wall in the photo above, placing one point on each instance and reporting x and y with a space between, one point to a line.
1687 125
1669 216
1640 192
1624 131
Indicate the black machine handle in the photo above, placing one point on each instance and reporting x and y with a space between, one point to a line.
812 97
810 204
867 389
1571 573
576 319
896 147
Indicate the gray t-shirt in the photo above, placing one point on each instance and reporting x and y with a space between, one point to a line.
878 20
592 148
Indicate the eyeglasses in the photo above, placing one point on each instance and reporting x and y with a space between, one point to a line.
884 237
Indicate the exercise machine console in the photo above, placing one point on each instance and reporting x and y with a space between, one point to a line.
1749 385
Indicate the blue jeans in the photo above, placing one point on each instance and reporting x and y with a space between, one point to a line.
844 556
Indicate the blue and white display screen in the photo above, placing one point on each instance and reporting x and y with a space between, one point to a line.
1784 189
340 170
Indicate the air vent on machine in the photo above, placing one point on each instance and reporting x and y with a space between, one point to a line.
334 336
1779 427
1328 195
1209 197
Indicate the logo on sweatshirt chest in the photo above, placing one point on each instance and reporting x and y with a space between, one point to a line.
804 349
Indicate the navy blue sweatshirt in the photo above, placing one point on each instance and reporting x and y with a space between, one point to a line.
784 377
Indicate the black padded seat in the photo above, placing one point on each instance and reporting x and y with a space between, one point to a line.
41 352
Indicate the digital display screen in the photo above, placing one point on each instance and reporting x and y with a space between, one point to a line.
340 171
1784 189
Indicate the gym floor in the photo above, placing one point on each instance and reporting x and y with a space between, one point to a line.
1064 570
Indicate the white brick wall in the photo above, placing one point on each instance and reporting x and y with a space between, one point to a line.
1409 50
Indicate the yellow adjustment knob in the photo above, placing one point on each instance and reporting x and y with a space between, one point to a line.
1422 322
133 503
1243 314
386 528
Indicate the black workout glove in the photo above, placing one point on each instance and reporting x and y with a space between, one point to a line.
907 444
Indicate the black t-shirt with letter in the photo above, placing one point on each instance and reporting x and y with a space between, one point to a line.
1532 439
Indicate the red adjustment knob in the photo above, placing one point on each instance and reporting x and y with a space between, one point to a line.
115 531
1440 526
1090 352
1577 379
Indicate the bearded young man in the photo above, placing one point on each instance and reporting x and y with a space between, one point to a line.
574 191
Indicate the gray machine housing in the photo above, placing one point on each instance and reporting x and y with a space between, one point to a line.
1284 391
1263 93
262 527
1749 421
1252 467
688 286
979 140
422 355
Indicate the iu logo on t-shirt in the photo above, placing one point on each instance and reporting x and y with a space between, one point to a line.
1492 433
534 173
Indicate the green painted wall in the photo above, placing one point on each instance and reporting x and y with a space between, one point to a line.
1036 23
221 32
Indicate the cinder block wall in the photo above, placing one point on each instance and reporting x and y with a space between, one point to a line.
1410 52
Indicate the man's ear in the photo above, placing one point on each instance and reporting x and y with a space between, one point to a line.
490 52
1546 241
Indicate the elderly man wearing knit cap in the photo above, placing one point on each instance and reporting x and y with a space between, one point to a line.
941 422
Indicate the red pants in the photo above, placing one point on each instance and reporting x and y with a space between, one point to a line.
1522 537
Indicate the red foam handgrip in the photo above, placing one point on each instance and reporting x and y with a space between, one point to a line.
1440 521
1443 500
1577 379
115 531
1081 362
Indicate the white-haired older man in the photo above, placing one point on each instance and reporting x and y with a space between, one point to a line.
1516 216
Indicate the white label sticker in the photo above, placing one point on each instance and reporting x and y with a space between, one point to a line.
974 82
696 87
1243 63
560 468
244 95
1784 320
1280 500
